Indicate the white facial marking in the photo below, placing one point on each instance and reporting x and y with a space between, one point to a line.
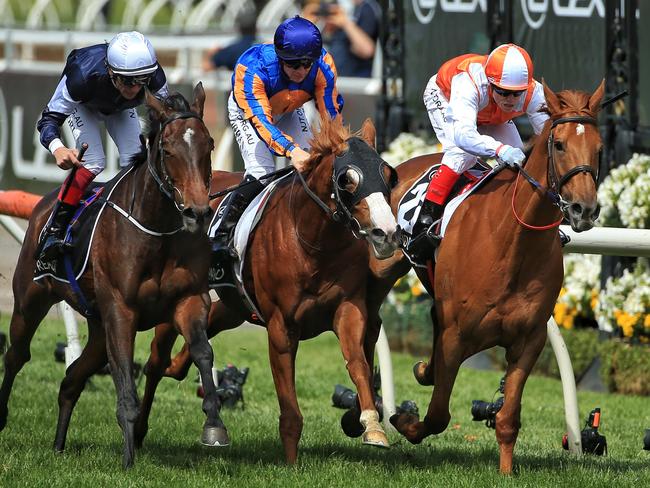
580 129
380 213
187 137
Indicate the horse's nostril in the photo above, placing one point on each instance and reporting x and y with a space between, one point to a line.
576 209
378 233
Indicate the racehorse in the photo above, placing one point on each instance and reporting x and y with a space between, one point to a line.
147 265
499 266
308 275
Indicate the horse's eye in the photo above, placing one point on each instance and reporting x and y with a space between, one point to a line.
558 146
349 181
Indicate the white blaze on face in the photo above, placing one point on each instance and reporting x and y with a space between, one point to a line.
381 216
580 129
187 137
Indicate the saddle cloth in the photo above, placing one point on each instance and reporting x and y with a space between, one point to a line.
247 222
408 208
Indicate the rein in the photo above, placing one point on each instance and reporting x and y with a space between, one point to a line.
556 183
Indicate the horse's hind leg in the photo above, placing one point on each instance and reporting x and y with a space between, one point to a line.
190 319
424 372
92 359
30 308
521 359
159 359
282 355
448 357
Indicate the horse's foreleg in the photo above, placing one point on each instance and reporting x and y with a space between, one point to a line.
448 357
190 319
350 326
24 322
282 355
120 325
521 359
159 359
92 358
220 318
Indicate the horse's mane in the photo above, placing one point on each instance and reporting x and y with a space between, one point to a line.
174 102
331 138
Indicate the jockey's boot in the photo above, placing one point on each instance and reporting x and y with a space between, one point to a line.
53 237
233 207
424 240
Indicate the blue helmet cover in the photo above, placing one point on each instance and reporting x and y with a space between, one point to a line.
297 38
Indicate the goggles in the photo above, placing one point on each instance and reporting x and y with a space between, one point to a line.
507 93
299 63
133 80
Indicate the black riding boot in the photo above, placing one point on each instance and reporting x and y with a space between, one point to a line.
421 245
233 207
54 235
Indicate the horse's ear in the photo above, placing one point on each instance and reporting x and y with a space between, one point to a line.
154 104
368 132
552 101
198 96
596 98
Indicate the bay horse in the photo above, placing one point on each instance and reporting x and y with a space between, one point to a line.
146 266
306 268
499 266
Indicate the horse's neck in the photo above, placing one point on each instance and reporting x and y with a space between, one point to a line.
315 229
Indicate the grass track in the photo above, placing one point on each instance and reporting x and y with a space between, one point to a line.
465 455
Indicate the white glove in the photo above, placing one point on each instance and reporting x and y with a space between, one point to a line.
510 156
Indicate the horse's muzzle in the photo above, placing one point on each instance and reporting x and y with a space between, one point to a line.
383 245
195 219
582 216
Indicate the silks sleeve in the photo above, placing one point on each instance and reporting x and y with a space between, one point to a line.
327 98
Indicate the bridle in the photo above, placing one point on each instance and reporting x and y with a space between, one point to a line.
164 181
370 167
556 183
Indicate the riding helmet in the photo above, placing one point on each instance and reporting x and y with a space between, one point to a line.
297 38
509 67
131 54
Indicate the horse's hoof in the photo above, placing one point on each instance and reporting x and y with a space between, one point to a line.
215 437
404 423
375 438
350 423
420 373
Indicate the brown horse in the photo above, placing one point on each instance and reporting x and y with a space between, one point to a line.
499 267
146 267
307 272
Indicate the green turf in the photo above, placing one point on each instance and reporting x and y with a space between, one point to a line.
465 455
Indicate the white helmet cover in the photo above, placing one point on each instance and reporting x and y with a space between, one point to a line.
131 54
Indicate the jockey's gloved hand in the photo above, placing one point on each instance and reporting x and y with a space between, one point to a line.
510 156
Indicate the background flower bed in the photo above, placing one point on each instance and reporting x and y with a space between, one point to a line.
584 311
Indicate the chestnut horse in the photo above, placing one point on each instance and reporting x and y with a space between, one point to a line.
499 267
309 272
145 267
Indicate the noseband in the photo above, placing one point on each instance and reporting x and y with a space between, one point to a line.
555 182
164 181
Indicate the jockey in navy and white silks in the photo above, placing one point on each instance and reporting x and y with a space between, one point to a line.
270 84
100 83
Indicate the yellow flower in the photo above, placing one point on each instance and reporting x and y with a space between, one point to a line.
416 291
559 312
627 322
646 322
567 323
562 292
594 300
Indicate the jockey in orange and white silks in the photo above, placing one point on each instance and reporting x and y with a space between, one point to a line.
471 102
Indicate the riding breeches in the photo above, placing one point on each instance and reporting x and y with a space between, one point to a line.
454 157
258 158
123 127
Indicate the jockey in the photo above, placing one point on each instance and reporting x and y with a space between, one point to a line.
270 84
471 102
99 83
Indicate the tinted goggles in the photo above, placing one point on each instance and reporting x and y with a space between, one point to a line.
299 63
507 93
133 80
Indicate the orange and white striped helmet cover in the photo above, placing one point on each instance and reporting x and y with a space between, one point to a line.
509 67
